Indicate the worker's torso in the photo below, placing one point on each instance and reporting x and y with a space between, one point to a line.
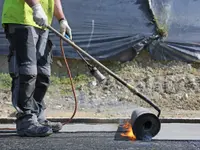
17 11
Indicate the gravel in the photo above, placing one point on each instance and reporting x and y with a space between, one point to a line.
173 86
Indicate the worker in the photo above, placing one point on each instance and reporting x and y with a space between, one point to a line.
29 60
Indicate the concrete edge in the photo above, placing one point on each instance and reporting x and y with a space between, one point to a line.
105 120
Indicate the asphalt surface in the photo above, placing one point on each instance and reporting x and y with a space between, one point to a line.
90 141
105 137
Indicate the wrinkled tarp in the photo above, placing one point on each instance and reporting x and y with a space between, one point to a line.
108 29
182 20
102 28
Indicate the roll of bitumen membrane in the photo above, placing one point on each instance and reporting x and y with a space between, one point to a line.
145 125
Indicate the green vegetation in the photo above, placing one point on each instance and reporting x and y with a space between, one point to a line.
66 80
64 84
5 81
161 29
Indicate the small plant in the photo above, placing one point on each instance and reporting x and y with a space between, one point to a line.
64 84
66 80
5 81
161 29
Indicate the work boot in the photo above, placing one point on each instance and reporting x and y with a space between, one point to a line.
35 130
30 127
55 126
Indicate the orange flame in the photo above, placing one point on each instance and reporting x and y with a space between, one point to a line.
128 132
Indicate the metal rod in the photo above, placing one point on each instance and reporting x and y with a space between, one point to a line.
89 65
130 87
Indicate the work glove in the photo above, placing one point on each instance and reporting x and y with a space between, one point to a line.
39 15
65 28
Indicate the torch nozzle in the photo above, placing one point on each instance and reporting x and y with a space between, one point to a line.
97 74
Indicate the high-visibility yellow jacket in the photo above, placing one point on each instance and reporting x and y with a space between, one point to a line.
18 12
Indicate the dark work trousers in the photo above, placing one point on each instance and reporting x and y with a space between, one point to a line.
29 63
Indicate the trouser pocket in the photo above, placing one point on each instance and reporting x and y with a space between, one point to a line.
45 61
11 57
49 48
13 64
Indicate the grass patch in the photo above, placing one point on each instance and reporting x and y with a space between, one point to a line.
5 81
161 29
63 84
79 79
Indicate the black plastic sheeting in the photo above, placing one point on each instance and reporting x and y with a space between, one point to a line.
107 29
182 19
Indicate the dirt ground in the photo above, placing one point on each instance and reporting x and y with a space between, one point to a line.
173 86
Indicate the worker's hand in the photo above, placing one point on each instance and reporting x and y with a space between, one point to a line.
39 15
65 29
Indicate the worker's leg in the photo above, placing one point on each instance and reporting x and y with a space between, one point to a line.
44 58
23 70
